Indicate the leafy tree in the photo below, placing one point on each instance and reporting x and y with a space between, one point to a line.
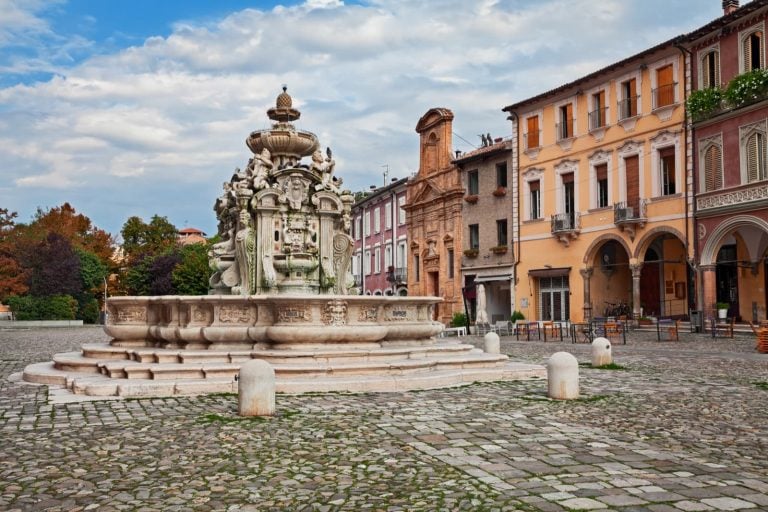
190 277
75 227
55 268
155 237
12 276
161 272
92 270
136 278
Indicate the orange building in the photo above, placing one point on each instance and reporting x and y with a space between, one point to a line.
434 224
603 212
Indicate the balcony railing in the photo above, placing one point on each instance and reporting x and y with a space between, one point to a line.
563 222
598 118
628 107
624 213
532 140
664 95
397 275
564 130
358 280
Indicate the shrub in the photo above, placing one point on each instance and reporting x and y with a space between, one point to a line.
54 307
88 310
459 320
517 315
747 88
722 305
704 102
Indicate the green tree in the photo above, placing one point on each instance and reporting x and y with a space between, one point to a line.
153 238
12 275
190 277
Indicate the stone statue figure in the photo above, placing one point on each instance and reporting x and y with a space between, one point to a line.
262 166
482 314
327 274
245 248
343 246
323 167
295 191
269 276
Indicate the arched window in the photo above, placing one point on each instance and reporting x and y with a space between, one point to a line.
755 153
713 168
710 70
752 50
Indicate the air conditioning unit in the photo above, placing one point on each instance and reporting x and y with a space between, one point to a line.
561 225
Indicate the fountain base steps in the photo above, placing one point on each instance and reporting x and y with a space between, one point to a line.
143 371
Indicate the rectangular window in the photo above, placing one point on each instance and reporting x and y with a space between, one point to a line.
601 175
377 220
565 127
665 87
628 103
667 162
535 200
597 116
400 262
367 226
377 260
367 263
532 136
474 236
355 264
416 267
450 264
473 183
388 215
501 174
710 70
401 210
501 232
753 51
554 298
358 231
387 257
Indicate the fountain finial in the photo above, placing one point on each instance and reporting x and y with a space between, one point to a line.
284 111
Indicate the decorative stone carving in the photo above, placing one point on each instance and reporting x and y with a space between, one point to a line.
398 314
293 313
233 315
335 313
131 314
367 314
745 195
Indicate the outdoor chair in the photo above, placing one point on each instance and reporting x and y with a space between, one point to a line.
667 329
723 329
483 328
502 328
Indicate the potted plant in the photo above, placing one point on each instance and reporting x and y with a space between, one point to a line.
471 199
644 320
500 191
722 310
499 249
517 315
471 253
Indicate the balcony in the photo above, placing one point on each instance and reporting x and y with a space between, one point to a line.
598 119
532 141
397 275
663 101
630 218
564 130
566 227
628 107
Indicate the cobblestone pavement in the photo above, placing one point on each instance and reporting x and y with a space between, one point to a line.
683 427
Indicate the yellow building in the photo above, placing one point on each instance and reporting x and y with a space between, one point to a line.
603 210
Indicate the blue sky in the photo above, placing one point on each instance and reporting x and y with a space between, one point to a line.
141 107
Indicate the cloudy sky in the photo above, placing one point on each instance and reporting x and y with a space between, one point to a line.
141 107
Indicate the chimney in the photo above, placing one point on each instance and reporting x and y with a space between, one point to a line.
729 6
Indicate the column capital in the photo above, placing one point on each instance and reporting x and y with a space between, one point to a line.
707 268
587 272
636 268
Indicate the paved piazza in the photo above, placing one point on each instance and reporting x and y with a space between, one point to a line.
684 427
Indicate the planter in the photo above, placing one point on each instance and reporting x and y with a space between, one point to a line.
722 314
471 253
501 249
500 192
471 199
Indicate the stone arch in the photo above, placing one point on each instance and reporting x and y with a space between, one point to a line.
650 236
589 254
728 227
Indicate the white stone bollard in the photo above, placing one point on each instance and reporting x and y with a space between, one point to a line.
256 389
492 344
601 352
563 376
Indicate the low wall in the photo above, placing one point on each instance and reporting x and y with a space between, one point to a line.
29 324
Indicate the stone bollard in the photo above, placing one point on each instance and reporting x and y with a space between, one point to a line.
492 345
563 376
601 352
256 389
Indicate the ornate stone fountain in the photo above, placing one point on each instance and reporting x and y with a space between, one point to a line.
280 292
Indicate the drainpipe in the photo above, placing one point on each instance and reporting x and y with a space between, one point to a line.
516 257
362 254
687 56
393 220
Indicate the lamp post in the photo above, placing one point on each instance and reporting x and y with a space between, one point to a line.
104 311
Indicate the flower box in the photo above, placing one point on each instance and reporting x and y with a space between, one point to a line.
471 253
471 199
500 191
500 249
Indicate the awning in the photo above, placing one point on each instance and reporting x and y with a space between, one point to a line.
550 272
486 279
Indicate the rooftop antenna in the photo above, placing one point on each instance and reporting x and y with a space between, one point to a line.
386 173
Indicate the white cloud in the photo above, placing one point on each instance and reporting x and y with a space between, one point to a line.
177 109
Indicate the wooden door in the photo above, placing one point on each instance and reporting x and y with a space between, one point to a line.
665 89
650 285
632 166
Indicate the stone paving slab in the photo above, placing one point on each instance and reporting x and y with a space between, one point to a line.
682 427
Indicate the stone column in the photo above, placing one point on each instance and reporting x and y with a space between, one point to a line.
586 274
709 285
636 269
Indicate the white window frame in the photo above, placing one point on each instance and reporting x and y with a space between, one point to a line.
529 176
536 113
557 106
653 71
367 224
388 215
566 167
367 262
744 133
358 224
377 220
629 149
743 35
401 256
377 260
401 211
388 257
607 106
699 65
628 123
704 144
600 158
662 141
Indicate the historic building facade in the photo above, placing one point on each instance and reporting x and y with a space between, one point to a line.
602 215
730 155
433 217
380 261
488 255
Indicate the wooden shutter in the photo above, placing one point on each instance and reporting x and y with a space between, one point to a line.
716 68
567 178
753 158
747 49
713 175
665 91
601 172
632 169
705 81
534 186
533 132
632 98
601 108
569 119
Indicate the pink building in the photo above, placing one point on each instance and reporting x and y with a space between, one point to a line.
379 262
